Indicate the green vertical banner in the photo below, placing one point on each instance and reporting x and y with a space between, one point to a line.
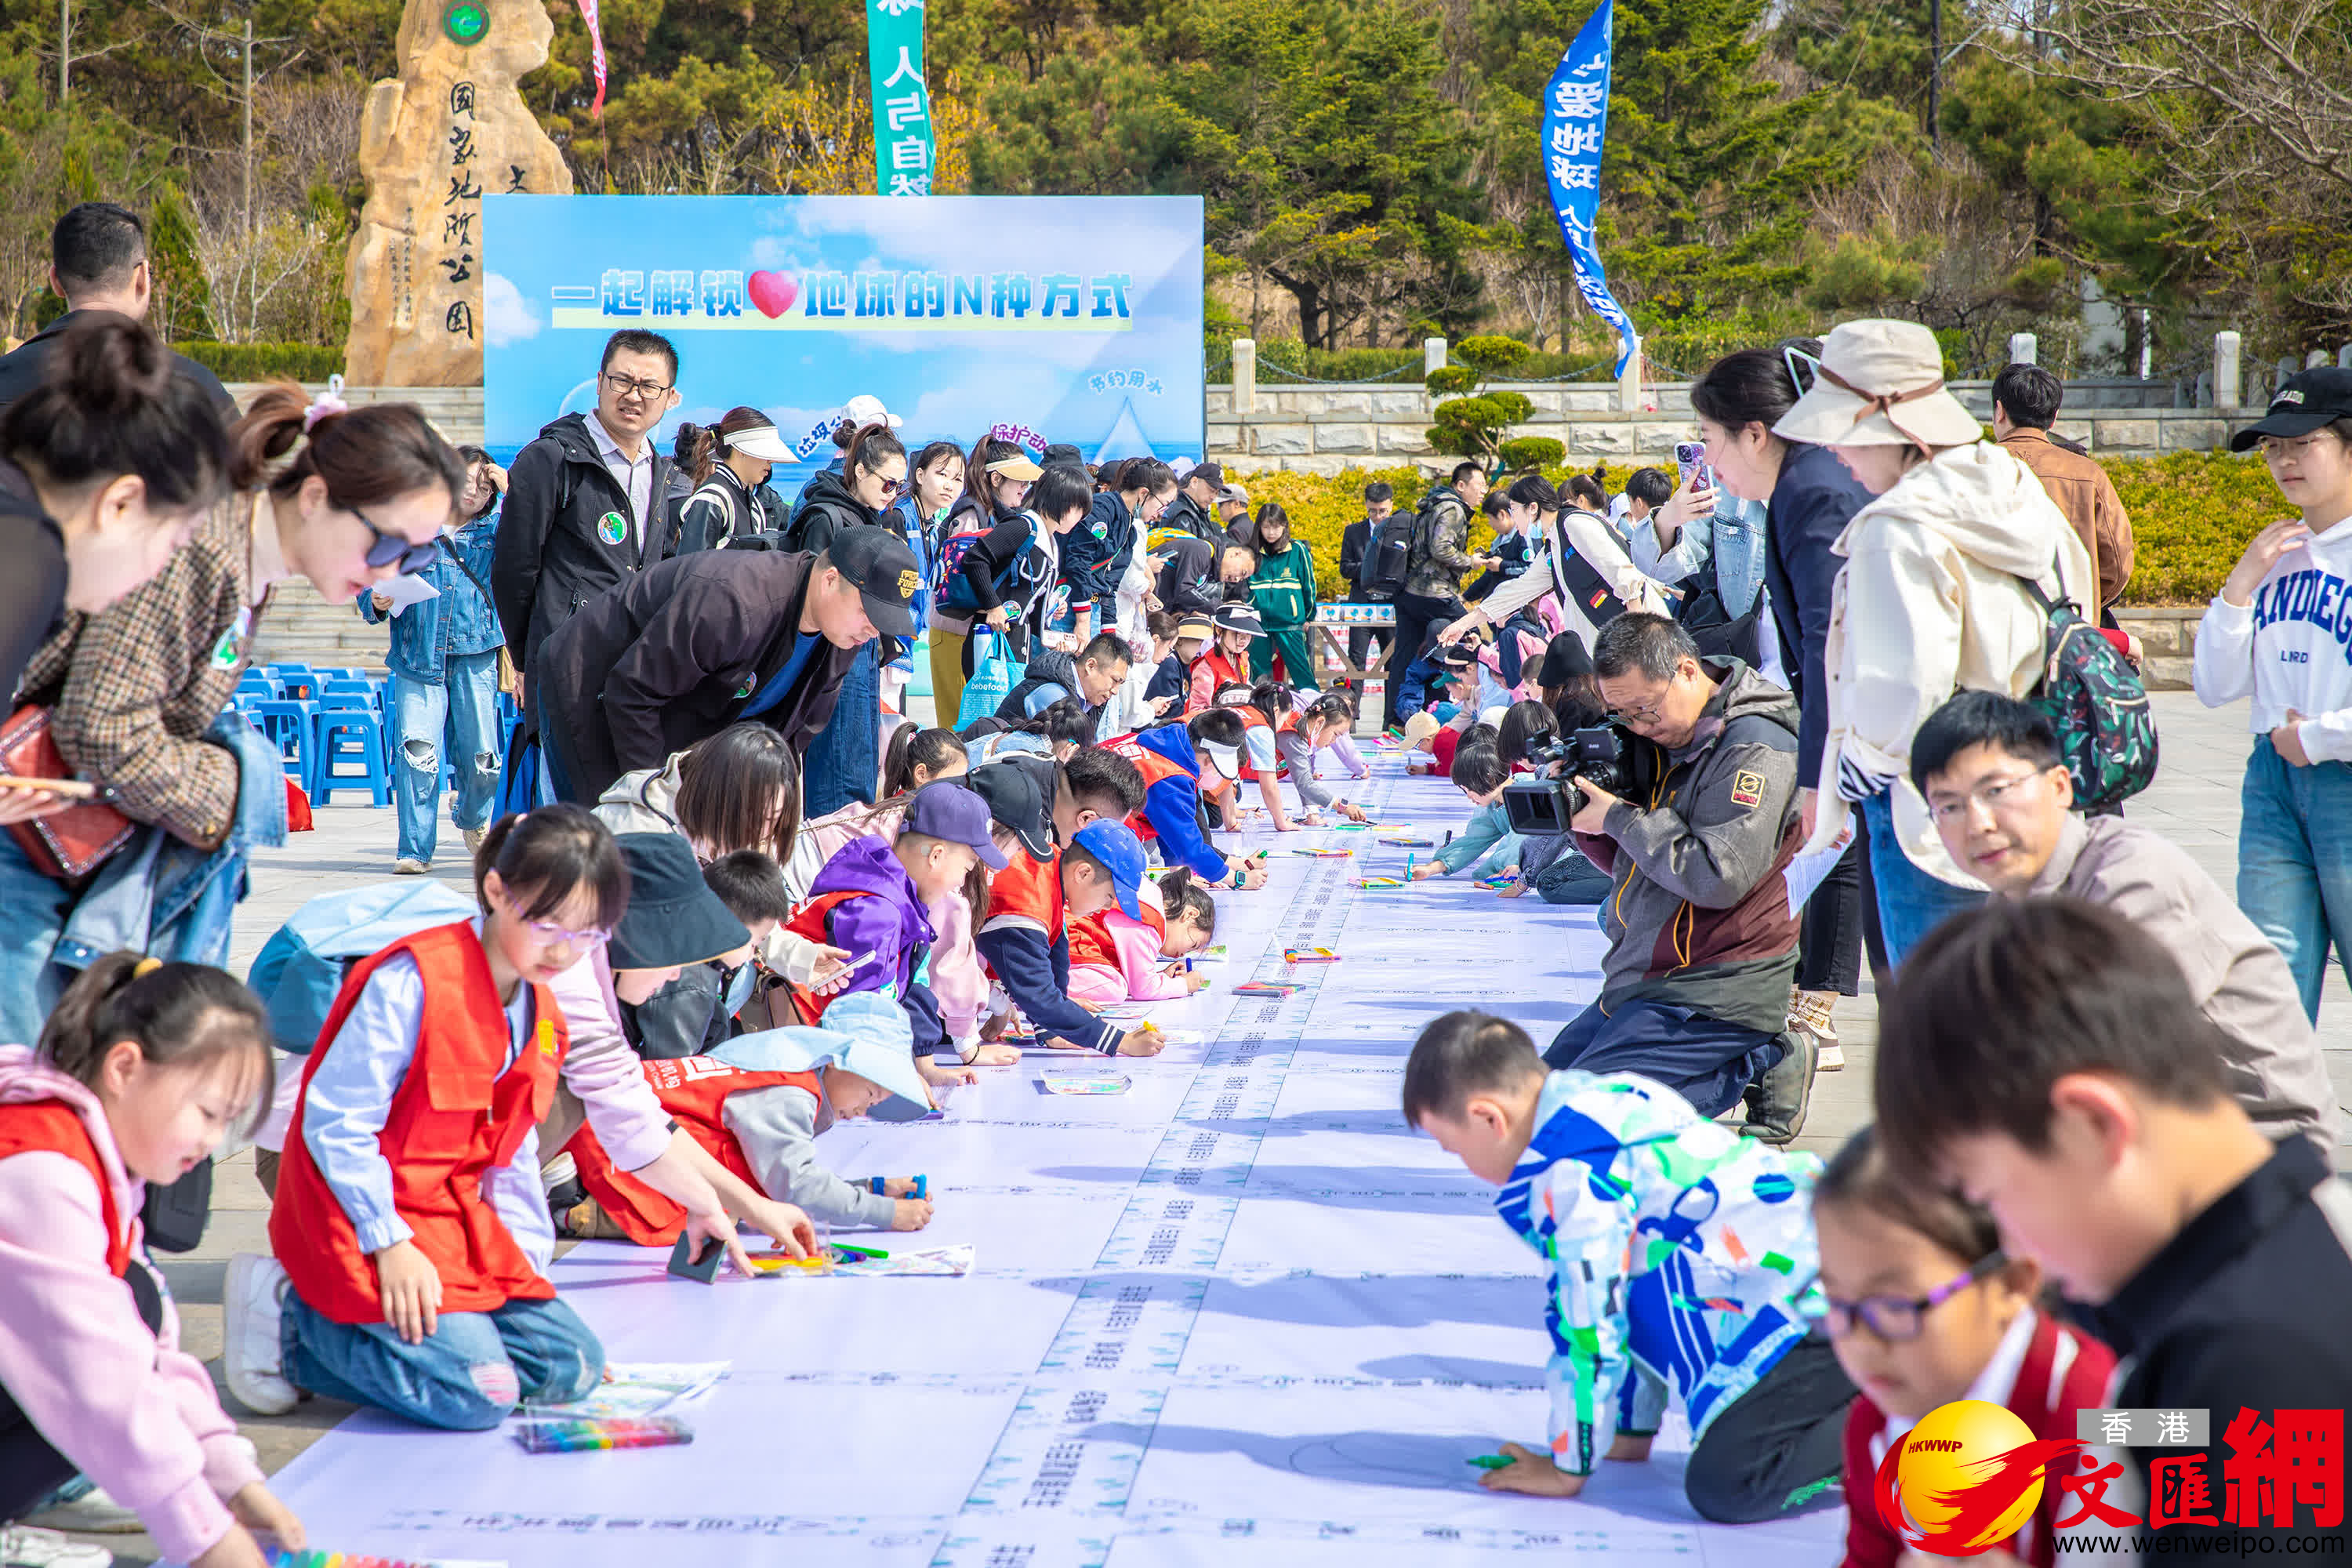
903 151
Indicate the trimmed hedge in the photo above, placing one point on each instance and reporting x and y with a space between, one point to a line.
2193 514
266 362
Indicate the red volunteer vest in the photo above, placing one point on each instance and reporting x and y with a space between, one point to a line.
1257 719
694 1090
1222 671
1091 941
808 920
1154 768
459 1113
51 1127
1031 889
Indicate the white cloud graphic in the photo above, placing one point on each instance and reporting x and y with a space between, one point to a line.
507 317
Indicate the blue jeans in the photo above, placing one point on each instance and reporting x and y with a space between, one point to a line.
32 915
2294 862
466 1376
1911 903
1706 1060
458 720
844 758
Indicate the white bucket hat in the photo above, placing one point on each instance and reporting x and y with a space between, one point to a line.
1880 383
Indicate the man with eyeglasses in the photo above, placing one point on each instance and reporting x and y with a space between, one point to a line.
1702 944
584 507
1997 787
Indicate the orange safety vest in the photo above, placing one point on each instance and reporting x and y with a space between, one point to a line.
1222 670
1091 941
458 1114
52 1127
1256 720
694 1090
1154 767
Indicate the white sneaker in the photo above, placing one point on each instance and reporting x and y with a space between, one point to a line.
1833 1057
91 1513
253 1355
24 1547
558 1171
411 867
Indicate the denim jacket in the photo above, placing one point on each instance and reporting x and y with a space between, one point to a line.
425 637
167 898
1733 539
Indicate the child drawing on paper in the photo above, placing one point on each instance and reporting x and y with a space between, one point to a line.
1116 957
1683 1267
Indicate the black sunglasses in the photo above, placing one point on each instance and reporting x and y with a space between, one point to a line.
390 549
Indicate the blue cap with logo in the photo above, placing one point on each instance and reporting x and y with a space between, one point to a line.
1121 852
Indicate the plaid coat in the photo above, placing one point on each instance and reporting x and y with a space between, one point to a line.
135 687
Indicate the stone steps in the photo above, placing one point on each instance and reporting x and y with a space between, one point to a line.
302 625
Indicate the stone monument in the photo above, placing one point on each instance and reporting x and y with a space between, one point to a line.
432 144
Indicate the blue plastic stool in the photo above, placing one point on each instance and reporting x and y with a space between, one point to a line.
291 675
346 728
286 723
260 685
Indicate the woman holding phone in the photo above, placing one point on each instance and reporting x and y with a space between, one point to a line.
106 469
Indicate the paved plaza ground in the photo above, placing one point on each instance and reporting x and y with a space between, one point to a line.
2194 801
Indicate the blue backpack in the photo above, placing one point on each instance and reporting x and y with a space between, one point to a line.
301 969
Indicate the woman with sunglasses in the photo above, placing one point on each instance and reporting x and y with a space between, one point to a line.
1923 1309
136 692
845 758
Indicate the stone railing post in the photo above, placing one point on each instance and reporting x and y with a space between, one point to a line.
1244 376
2022 347
1433 355
2226 385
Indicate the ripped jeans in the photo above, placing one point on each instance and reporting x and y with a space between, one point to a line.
466 1376
457 720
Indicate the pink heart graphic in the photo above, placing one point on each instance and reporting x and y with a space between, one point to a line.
772 292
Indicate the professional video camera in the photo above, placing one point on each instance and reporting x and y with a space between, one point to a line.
1542 808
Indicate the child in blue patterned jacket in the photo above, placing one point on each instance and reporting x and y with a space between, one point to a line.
1683 1265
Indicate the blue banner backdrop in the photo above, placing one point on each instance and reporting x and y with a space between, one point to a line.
1575 125
1065 318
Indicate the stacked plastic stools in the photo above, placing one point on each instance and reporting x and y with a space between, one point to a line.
295 678
348 727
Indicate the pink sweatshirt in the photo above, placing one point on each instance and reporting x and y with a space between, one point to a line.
1137 946
130 1409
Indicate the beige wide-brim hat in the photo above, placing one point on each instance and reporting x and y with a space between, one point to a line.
1881 384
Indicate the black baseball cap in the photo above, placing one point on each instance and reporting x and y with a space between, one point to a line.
1013 801
884 569
2307 401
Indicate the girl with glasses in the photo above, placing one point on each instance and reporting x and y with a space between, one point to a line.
411 1230
1924 1308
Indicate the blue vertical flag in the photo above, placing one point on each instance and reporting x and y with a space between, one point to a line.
1575 124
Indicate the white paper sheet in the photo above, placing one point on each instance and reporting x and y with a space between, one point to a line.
1807 872
406 591
1239 1316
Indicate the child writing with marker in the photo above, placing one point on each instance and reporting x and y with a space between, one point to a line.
140 1071
411 1228
1117 957
757 1105
1925 1309
1485 841
1027 938
1683 1265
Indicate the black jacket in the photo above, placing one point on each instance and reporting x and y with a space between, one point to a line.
726 512
552 561
827 506
1813 500
32 594
670 659
1187 577
22 371
2241 1310
1188 514
1094 554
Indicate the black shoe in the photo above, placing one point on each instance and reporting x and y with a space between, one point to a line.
1777 1099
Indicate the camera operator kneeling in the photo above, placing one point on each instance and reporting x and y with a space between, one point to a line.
1695 990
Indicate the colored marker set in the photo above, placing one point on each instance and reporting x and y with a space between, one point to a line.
581 1437
1264 988
1376 883
1401 843
1498 881
1310 955
1324 854
279 1557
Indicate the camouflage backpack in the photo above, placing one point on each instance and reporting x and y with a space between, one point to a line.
2096 703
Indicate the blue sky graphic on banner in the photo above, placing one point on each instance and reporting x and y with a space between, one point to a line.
1077 318
1575 124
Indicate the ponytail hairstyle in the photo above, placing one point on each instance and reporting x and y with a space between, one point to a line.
868 447
1585 490
728 785
545 856
1181 896
469 456
912 746
181 1015
1330 707
1063 722
1272 698
700 447
111 403
1755 386
978 482
366 455
1526 728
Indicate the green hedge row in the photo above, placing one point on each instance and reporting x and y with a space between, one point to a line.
2193 514
266 362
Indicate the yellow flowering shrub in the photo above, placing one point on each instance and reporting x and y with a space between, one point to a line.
2192 513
